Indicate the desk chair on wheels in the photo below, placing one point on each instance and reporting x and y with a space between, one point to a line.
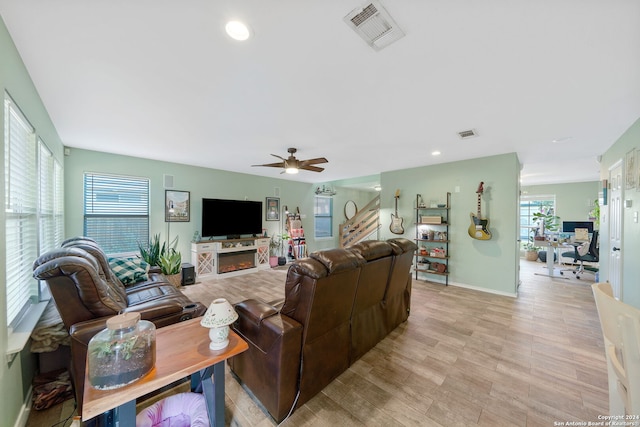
592 255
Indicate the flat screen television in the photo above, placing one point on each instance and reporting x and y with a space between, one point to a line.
570 226
231 218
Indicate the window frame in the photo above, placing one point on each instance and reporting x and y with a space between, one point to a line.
34 182
322 216
95 210
533 203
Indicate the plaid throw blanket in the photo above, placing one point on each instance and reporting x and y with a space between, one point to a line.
129 270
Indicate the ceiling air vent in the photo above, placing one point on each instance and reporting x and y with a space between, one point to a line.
374 24
468 134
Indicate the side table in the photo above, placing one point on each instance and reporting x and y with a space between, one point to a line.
182 349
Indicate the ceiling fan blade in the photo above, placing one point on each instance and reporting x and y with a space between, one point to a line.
314 161
273 165
292 163
311 168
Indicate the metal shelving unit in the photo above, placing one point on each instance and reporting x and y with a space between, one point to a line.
432 239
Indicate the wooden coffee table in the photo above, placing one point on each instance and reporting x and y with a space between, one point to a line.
182 349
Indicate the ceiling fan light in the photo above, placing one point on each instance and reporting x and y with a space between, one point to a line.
237 30
291 170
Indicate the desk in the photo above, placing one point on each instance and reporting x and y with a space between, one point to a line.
182 349
551 252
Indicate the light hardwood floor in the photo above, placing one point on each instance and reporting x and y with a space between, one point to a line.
464 358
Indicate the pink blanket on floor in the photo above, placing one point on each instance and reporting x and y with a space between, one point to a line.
180 410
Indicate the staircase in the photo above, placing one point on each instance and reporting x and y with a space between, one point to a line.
364 223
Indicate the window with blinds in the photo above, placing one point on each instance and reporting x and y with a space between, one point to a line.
116 211
323 216
21 210
51 203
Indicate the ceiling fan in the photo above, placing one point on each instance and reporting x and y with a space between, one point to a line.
293 165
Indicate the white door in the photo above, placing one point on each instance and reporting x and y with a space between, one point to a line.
616 195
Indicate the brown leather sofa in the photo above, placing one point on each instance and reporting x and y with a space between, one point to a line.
338 305
87 293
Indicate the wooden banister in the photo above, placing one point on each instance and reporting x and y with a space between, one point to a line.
364 223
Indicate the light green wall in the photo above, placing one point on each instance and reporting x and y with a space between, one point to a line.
490 265
200 182
15 377
631 230
574 201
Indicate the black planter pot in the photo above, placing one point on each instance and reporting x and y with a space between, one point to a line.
282 260
542 255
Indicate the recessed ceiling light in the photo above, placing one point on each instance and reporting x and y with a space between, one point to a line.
237 30
435 153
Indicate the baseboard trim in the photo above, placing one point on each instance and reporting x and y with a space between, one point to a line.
25 410
488 291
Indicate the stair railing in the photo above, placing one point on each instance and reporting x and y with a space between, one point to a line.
362 225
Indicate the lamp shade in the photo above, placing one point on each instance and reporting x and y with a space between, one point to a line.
220 313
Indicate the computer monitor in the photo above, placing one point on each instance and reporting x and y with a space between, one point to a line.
570 226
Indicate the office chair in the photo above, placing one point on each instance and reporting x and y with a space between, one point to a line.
592 255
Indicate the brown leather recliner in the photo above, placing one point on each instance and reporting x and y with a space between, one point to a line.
87 293
338 305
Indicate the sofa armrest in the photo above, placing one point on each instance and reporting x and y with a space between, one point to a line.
262 324
154 309
82 332
271 366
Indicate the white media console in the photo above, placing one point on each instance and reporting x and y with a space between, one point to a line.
218 258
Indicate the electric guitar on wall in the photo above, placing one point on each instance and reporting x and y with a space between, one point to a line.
396 221
479 228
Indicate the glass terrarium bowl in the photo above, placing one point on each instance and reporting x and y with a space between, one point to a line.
122 353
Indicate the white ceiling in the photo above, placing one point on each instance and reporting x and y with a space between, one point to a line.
160 79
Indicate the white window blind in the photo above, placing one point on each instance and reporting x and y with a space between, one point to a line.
323 216
116 211
47 232
58 202
20 210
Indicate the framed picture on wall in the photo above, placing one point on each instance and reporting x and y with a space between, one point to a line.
630 169
176 206
272 211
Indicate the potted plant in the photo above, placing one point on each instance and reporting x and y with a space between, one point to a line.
152 251
546 222
282 259
594 215
274 250
530 251
171 266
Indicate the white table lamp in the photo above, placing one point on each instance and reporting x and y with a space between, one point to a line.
218 317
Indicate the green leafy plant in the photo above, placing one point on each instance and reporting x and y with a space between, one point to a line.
595 214
152 251
171 262
547 220
274 245
530 246
110 348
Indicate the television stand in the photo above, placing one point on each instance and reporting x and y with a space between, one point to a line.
229 257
